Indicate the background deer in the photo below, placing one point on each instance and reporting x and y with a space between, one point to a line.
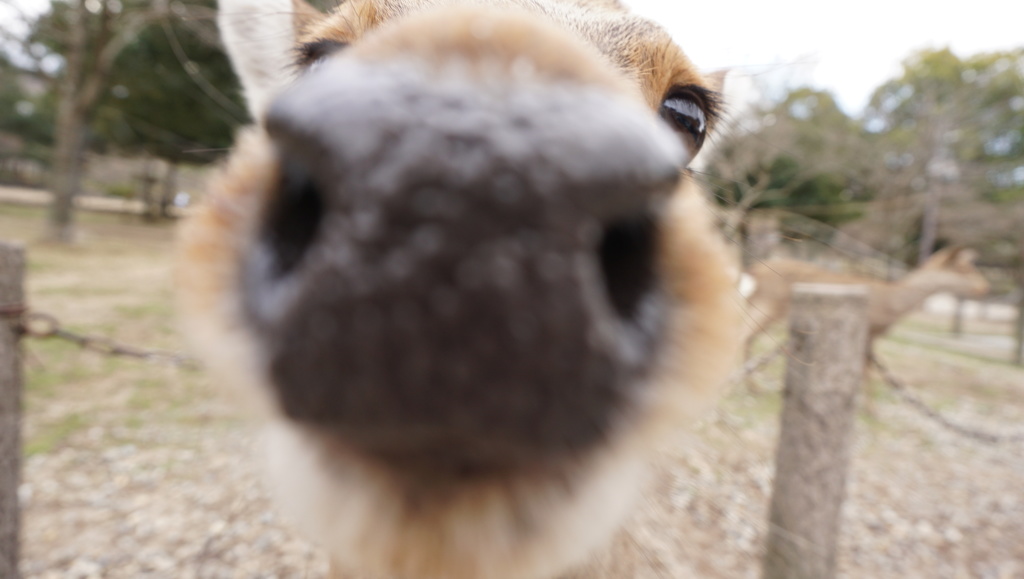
948 270
457 265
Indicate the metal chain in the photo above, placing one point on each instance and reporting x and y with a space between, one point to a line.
12 311
38 325
910 398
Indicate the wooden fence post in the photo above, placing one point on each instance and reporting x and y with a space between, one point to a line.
825 372
12 272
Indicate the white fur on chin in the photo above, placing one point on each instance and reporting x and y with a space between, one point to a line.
357 516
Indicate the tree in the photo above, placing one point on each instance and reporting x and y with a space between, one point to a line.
85 37
802 154
26 108
951 131
173 96
173 92
97 31
128 75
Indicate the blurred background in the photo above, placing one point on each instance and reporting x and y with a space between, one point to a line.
862 139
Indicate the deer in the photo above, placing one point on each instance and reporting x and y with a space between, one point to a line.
459 270
951 269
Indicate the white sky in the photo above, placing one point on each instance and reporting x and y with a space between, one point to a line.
849 47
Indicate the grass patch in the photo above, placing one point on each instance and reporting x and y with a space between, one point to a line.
78 292
896 338
154 309
51 364
150 393
22 212
753 408
53 435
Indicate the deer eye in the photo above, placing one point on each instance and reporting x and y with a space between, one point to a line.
313 54
684 110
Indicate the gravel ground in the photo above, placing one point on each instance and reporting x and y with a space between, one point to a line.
184 500
178 503
141 471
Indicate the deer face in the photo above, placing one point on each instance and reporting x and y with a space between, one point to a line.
954 270
457 262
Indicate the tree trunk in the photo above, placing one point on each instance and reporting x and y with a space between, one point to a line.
1018 355
763 236
169 188
67 171
929 223
92 49
150 208
70 129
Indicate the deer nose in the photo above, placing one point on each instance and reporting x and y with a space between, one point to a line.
459 275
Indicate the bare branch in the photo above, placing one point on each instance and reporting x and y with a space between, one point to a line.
132 26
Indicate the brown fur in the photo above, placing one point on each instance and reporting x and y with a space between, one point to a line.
365 515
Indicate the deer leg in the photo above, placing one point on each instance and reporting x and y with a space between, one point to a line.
753 385
867 391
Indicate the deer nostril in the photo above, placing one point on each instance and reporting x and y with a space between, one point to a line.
292 219
627 257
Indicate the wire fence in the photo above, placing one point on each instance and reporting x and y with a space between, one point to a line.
902 390
28 324
907 395
43 326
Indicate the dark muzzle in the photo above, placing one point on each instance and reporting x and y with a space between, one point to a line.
459 272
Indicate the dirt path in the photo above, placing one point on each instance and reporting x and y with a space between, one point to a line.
43 198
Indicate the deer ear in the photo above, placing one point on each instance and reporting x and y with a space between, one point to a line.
259 36
943 257
965 256
716 80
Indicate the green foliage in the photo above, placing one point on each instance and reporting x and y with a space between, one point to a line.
121 190
51 436
172 94
22 114
964 114
974 106
818 190
802 157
